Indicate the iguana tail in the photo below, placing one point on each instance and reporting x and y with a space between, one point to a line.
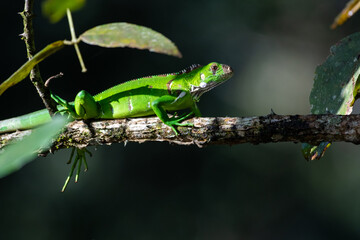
26 121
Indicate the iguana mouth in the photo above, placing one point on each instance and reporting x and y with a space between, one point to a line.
197 91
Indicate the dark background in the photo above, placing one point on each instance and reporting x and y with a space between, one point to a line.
161 191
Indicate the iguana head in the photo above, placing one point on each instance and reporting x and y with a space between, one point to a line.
208 77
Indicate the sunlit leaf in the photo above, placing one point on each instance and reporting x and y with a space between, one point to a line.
25 69
16 155
335 85
55 10
129 35
351 7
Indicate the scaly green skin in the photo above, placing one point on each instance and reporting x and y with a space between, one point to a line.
137 98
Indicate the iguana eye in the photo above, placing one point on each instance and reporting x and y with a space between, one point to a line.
214 68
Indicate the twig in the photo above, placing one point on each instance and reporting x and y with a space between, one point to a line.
206 131
47 82
35 77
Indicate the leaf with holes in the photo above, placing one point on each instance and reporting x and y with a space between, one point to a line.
129 35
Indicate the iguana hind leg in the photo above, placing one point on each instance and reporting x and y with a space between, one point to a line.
85 106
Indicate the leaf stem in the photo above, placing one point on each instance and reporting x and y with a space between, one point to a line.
74 40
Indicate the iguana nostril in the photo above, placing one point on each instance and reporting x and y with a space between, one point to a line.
227 69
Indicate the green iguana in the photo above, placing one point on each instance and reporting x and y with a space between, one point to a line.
137 98
153 95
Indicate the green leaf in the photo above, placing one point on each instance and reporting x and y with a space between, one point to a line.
16 155
55 10
25 69
129 35
335 85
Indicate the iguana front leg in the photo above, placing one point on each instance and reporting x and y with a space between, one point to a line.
158 108
195 110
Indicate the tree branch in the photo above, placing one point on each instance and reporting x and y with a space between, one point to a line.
219 130
35 77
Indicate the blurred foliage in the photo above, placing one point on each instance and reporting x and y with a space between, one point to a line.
55 10
350 9
16 155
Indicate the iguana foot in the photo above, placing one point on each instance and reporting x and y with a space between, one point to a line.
175 121
79 158
64 106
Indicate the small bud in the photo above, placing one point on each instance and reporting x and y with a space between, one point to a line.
22 36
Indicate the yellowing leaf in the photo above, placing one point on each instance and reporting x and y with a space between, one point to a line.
55 10
129 35
349 10
25 69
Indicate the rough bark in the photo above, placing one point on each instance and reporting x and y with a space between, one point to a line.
206 131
